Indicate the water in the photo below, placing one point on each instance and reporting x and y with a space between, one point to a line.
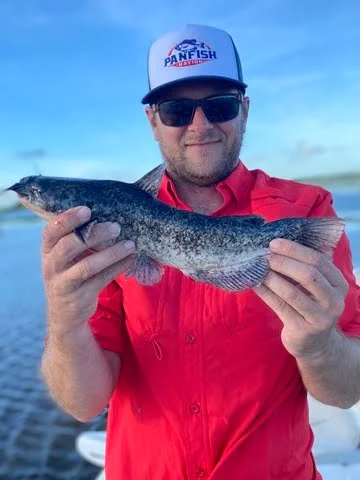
347 203
37 440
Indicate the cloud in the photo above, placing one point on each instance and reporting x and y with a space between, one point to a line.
304 150
32 154
296 163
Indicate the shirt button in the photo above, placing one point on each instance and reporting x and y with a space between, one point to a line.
146 333
200 472
194 409
190 338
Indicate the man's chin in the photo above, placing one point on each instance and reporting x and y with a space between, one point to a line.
203 172
203 178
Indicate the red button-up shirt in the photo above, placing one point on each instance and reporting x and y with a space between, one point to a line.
207 389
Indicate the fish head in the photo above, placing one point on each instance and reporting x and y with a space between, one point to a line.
187 45
45 196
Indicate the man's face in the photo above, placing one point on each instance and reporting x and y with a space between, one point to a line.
201 153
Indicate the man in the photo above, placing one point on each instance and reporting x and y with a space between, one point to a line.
202 383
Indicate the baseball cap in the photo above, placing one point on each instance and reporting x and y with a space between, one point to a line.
194 52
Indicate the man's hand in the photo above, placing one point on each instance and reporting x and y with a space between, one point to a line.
307 292
73 274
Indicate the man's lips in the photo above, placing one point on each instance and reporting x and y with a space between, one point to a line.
201 144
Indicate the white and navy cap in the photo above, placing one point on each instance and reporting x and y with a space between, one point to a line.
196 51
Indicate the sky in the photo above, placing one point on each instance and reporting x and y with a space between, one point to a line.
72 75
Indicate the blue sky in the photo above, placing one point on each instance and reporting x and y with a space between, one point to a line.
72 75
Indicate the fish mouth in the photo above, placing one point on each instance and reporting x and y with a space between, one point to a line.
20 188
24 199
23 186
29 197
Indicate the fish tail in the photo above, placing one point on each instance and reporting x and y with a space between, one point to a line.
321 233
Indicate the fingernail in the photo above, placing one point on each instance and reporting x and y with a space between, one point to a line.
275 243
83 213
129 245
114 228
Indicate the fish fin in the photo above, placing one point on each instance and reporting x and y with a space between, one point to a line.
83 232
146 270
237 278
321 233
152 180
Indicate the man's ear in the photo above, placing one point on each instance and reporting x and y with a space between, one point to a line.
246 106
152 120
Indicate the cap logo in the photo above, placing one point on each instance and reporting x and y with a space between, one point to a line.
189 52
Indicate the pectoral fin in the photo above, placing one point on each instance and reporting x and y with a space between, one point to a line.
146 270
83 232
236 278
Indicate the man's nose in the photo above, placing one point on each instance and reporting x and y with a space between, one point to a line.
200 120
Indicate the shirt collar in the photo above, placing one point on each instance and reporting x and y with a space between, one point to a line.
235 188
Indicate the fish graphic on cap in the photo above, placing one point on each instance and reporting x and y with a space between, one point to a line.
190 45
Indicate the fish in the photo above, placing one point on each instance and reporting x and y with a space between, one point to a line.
228 252
189 45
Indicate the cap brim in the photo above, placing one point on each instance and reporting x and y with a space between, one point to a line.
151 96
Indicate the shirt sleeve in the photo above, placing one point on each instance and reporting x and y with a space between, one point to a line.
349 322
108 322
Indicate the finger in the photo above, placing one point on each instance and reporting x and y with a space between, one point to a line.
308 276
292 296
62 225
96 263
310 256
284 311
99 281
70 248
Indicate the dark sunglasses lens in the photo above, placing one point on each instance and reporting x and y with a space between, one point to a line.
221 109
176 113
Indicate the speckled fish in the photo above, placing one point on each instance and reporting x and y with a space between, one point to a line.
229 252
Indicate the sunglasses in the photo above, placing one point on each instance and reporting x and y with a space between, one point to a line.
217 108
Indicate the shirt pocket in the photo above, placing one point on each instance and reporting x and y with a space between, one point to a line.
144 306
245 314
273 204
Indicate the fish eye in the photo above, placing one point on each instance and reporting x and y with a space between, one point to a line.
37 190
